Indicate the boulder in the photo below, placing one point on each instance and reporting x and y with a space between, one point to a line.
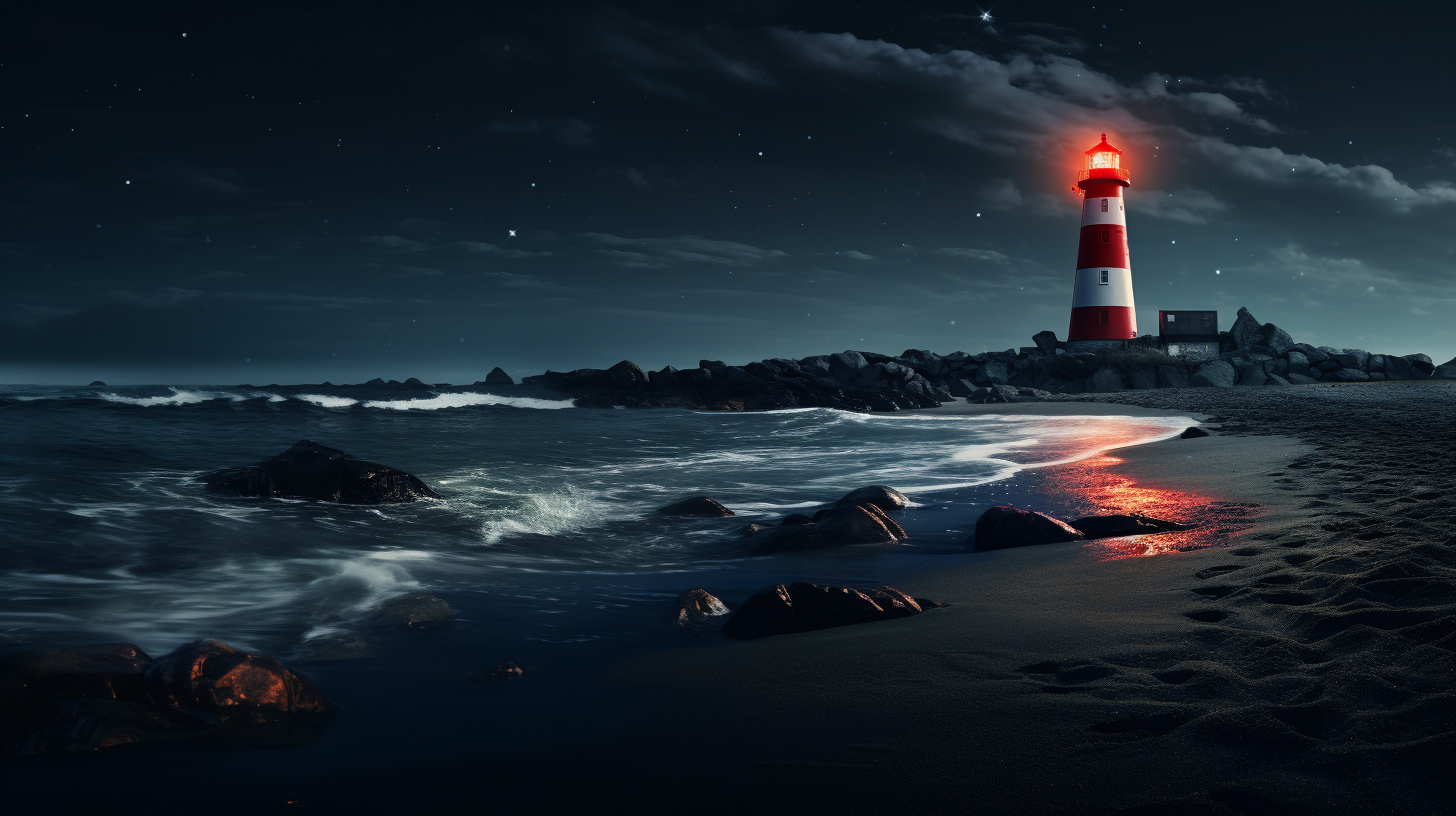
1358 359
627 376
228 685
413 382
416 610
1295 378
96 383
697 607
1215 374
309 470
1350 375
883 497
796 519
1107 380
1046 341
1142 378
1002 527
696 506
1192 432
1277 339
1446 370
1113 526
858 524
994 372
1314 354
1246 331
804 607
1422 364
1252 374
958 387
498 376
1172 377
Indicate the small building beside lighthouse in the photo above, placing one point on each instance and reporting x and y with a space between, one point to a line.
1102 306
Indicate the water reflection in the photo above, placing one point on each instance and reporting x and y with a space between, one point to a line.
1099 491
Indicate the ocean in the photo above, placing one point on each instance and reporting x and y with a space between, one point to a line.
545 540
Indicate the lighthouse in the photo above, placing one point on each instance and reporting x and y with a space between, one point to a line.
1102 309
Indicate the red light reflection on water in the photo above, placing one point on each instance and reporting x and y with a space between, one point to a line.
1099 491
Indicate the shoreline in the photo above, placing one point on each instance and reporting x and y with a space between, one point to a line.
1302 668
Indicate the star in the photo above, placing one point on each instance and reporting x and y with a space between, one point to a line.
986 16
512 233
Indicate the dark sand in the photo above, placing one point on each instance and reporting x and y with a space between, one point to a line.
1304 666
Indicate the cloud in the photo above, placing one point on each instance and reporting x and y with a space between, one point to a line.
518 280
1188 205
480 247
566 131
419 271
1000 194
641 48
166 296
855 254
204 179
983 255
1274 166
291 302
395 242
656 253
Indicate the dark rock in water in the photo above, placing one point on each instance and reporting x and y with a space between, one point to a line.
376 381
803 607
1002 527
107 658
1114 526
796 518
858 524
95 384
90 725
229 685
885 498
498 376
415 382
416 610
505 671
309 470
696 506
697 607
339 646
1192 432
1046 341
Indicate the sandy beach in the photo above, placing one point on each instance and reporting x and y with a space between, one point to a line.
1300 664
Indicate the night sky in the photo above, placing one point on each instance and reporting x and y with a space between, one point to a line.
219 193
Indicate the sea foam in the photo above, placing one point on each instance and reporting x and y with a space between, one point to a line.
465 401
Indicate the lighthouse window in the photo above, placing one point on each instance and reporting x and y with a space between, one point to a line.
1104 276
1102 318
1106 236
1104 205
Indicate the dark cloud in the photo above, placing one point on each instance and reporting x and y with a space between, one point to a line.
656 253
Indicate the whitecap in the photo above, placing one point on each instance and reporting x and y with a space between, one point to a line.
326 401
177 397
466 400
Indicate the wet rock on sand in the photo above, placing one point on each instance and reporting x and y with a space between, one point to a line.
803 607
1112 526
230 685
696 506
885 498
1003 527
697 607
309 470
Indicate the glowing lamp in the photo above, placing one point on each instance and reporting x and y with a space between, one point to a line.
1102 306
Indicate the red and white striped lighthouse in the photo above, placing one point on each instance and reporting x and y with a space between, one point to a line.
1102 309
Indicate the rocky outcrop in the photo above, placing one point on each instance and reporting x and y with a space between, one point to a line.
497 376
309 470
1445 371
803 607
696 506
97 697
881 496
835 526
1002 527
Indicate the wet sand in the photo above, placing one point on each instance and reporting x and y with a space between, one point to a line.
1303 665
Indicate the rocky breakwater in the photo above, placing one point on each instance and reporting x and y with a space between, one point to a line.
1264 354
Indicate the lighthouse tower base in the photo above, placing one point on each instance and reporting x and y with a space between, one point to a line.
1074 346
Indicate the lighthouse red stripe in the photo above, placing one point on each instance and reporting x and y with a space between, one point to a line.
1092 252
1087 323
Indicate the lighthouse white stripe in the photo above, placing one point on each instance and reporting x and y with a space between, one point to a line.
1092 211
1089 290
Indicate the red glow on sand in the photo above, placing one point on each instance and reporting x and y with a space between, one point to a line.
1102 492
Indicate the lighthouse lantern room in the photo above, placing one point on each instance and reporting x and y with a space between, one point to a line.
1102 307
